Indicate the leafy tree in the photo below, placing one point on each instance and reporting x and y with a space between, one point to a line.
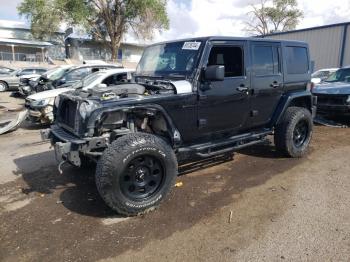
282 16
104 20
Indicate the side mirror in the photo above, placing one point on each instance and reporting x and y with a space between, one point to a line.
214 73
101 86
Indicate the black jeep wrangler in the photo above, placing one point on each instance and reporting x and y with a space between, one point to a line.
197 97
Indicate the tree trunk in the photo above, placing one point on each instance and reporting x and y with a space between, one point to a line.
114 53
114 50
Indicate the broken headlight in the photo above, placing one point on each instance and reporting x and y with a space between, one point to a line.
42 102
85 109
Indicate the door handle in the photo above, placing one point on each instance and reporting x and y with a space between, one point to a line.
275 84
242 88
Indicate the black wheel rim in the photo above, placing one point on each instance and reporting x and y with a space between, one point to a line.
142 177
300 133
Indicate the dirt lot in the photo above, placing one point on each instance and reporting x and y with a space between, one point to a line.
282 209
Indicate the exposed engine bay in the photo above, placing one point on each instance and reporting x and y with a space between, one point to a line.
143 87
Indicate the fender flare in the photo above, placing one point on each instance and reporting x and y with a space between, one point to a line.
287 99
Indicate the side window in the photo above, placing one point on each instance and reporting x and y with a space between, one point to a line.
77 74
115 79
297 60
231 57
40 71
26 72
266 60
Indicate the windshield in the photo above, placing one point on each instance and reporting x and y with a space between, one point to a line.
14 73
170 59
56 73
87 80
341 75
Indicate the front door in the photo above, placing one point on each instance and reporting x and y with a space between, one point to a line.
266 83
223 106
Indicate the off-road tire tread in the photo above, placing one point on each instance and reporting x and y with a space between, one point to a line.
283 131
118 148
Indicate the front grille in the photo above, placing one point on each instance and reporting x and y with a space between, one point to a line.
68 110
61 135
331 99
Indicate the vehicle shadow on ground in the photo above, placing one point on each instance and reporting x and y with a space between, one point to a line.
263 150
208 186
76 186
77 190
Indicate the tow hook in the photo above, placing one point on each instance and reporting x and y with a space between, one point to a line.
60 166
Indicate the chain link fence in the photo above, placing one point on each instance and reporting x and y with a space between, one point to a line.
8 56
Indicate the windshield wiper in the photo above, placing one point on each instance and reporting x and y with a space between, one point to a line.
177 75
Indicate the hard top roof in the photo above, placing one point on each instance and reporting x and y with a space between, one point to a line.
231 38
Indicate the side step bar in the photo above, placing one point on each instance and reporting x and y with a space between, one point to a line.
223 146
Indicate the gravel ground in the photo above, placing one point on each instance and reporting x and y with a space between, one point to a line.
282 209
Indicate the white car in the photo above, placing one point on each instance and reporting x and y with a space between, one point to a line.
40 105
322 74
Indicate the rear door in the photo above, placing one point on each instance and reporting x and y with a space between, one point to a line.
267 81
223 106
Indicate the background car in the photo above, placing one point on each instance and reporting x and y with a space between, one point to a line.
11 81
333 94
6 70
66 78
322 74
27 86
40 105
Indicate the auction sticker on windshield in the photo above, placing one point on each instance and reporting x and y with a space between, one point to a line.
191 45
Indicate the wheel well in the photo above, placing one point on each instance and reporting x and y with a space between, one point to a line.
304 102
2 81
135 120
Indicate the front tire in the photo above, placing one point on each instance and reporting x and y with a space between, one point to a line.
135 173
3 86
293 134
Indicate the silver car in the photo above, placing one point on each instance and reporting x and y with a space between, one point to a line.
11 81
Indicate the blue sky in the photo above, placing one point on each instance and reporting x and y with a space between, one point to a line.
8 9
221 17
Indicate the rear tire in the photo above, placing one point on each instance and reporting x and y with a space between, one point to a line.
135 173
3 86
293 134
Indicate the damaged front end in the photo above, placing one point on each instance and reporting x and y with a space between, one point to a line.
40 111
85 124
69 148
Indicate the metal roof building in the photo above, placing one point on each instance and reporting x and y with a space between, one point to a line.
329 44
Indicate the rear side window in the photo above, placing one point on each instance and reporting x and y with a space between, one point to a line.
297 60
40 71
266 60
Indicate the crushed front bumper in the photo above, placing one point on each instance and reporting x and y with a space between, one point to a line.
69 147
43 115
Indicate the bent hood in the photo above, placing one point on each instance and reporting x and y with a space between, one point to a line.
336 88
49 93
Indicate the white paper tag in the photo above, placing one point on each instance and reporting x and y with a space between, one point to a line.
191 45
